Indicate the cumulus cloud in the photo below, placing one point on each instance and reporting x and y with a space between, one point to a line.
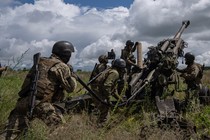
36 27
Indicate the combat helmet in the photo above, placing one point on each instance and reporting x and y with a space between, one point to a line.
119 63
103 59
129 43
189 57
63 50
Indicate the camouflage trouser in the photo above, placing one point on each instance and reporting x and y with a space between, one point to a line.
17 125
49 114
18 121
187 100
103 109
192 99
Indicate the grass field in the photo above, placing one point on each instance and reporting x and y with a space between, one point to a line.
123 124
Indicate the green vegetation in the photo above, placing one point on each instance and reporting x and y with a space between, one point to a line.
123 123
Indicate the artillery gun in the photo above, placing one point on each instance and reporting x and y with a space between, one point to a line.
159 70
162 60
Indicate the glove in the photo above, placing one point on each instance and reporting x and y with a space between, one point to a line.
136 43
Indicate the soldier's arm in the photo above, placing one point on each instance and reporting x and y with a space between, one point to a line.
130 62
192 74
134 47
108 84
63 74
181 70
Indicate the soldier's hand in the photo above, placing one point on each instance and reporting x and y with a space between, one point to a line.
70 67
136 43
138 67
183 75
72 71
74 75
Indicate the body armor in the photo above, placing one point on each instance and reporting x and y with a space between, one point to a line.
46 86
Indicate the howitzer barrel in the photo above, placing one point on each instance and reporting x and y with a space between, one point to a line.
135 79
177 37
185 24
150 76
165 46
178 44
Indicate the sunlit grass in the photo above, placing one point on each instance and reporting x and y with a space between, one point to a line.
123 123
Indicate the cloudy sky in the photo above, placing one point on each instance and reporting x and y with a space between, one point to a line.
95 27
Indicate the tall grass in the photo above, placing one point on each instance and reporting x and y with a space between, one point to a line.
123 123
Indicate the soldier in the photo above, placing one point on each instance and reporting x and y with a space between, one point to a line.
192 75
54 77
103 60
2 69
107 86
111 54
127 55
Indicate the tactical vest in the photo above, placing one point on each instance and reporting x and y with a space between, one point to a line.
99 68
46 85
100 80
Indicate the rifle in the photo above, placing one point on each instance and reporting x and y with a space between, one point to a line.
92 79
33 88
91 75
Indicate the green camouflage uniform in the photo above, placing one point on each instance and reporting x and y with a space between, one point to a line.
98 69
192 75
54 77
105 87
128 56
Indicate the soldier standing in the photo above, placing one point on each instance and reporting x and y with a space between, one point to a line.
107 86
127 55
192 75
54 77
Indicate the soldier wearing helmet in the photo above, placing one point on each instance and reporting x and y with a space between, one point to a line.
127 55
192 75
192 72
55 76
107 86
103 60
